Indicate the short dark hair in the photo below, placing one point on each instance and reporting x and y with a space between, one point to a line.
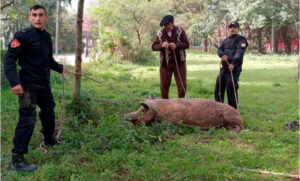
36 7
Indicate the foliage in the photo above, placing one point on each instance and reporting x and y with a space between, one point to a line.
200 31
259 13
262 15
4 81
128 26
15 18
201 18
66 30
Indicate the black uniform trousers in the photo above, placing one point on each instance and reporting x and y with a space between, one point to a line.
223 82
27 117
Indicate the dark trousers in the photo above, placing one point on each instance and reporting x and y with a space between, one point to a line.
27 117
166 77
223 82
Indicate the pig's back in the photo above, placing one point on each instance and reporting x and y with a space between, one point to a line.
192 111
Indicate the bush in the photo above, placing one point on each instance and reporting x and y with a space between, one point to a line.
141 55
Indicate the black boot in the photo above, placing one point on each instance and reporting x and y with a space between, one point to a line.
19 163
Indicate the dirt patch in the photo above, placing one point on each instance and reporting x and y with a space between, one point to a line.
242 144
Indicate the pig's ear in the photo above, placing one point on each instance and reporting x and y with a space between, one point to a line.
145 106
150 96
149 106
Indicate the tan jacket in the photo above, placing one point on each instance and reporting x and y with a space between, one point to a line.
166 54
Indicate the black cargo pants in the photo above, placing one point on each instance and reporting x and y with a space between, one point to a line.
223 82
27 117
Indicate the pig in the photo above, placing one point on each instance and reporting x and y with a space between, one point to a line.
201 112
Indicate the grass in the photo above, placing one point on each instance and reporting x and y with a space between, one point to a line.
100 146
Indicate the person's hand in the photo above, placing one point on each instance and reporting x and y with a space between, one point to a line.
165 44
17 90
172 45
231 67
224 58
65 70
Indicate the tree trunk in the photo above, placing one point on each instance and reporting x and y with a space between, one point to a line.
219 37
139 37
299 47
78 45
274 41
273 44
248 32
7 35
57 26
204 44
286 38
259 40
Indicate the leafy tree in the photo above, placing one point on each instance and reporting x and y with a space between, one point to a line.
15 17
261 16
128 25
201 17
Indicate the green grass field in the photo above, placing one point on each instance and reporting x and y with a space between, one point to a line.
99 145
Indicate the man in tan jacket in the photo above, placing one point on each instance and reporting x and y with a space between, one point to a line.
171 41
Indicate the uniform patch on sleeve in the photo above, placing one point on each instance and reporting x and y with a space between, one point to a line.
243 44
15 43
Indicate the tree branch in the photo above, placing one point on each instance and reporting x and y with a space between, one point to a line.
8 4
288 7
135 18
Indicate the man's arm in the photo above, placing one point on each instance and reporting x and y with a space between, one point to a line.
53 64
240 51
14 51
157 45
56 66
221 52
184 43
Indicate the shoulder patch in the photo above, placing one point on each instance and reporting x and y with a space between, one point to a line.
243 44
15 43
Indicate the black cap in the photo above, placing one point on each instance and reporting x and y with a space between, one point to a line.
234 23
167 19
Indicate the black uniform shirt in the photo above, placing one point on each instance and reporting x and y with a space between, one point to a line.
234 47
32 48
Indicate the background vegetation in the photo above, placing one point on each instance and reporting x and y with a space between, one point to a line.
15 18
128 26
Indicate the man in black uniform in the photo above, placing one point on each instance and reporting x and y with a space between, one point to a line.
231 53
32 48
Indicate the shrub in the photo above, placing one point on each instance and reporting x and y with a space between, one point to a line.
141 55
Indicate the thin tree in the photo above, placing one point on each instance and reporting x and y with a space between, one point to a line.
292 7
78 46
57 26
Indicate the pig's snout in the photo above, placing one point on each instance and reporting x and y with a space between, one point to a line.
126 117
131 117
